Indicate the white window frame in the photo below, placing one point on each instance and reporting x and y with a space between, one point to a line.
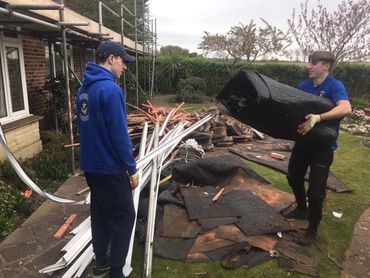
13 116
69 55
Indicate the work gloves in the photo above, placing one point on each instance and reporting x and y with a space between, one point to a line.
309 123
134 179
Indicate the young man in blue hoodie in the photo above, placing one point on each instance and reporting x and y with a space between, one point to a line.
317 156
107 157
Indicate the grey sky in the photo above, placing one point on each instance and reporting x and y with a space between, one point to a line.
182 22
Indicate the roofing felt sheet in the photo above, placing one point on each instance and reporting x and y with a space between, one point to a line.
208 242
276 198
257 217
199 204
220 253
177 224
232 232
176 249
212 171
211 223
247 256
263 158
276 109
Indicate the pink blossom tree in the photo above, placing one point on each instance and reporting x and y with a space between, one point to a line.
345 31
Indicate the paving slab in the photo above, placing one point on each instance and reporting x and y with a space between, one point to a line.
32 246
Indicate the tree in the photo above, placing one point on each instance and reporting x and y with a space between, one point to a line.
171 71
247 42
345 31
174 50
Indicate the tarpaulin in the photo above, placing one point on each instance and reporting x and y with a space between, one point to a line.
275 108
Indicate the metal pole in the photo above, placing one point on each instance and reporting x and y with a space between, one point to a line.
154 54
52 77
34 7
122 26
69 106
144 80
100 16
149 61
123 78
29 18
70 69
136 63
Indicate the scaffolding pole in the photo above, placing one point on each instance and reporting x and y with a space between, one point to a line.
154 55
136 61
69 105
30 19
122 40
144 44
52 76
34 7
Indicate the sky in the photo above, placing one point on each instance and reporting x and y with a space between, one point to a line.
183 22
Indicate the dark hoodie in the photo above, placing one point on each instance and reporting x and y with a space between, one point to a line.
105 145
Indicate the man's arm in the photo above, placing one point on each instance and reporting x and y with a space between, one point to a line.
342 109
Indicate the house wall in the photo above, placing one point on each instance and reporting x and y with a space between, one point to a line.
80 60
23 138
36 73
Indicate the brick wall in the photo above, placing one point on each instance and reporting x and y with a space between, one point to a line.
36 73
79 61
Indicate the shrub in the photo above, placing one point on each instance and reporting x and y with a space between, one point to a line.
191 90
171 71
196 84
185 96
360 102
215 73
8 204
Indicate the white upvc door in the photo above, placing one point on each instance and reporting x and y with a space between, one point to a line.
13 89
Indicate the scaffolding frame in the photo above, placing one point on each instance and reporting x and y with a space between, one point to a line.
63 28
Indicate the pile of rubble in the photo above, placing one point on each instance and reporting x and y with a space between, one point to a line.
220 131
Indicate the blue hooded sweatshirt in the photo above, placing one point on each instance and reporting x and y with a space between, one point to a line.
105 145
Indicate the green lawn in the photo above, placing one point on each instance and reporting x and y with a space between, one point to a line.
351 165
190 107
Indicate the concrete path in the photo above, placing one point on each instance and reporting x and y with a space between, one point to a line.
357 263
32 246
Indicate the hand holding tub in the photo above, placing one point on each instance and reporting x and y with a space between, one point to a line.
310 121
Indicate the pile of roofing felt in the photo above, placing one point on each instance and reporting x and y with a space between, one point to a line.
221 131
242 228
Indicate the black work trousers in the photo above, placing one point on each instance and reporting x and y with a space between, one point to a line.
318 158
112 218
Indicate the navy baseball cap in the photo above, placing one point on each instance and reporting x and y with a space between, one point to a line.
107 48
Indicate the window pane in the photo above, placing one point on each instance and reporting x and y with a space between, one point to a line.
47 58
15 81
2 94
